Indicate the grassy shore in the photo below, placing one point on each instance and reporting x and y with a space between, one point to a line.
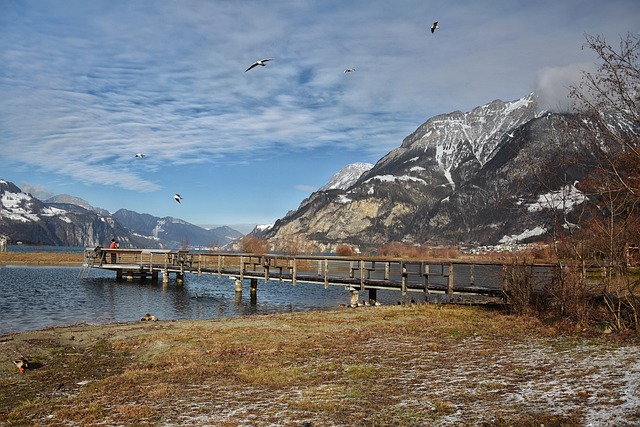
41 258
374 366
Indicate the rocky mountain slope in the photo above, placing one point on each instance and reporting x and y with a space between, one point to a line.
175 230
71 221
347 176
485 176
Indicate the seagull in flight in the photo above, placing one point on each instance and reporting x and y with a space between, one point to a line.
177 197
260 62
140 155
434 27
349 70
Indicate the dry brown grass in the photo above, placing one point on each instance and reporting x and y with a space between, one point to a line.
383 366
40 258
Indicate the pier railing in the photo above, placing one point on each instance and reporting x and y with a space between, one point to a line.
355 273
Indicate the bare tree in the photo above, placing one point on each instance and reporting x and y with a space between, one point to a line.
254 245
609 99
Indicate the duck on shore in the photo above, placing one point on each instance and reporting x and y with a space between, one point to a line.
22 364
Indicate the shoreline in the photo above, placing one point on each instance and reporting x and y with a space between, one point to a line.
389 365
8 259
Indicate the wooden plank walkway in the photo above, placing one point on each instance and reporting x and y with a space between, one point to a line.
354 273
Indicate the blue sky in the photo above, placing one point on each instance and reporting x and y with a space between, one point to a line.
84 85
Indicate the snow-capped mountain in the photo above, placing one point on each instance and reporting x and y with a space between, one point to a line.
73 200
71 221
175 231
347 176
475 177
27 219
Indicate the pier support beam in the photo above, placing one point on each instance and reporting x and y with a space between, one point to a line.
119 274
373 296
165 277
254 290
354 299
238 286
179 278
129 276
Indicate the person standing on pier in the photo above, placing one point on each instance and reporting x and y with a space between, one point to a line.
113 245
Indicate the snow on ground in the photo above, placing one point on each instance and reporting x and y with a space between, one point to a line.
514 238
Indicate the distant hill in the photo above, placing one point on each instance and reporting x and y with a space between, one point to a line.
175 231
71 221
77 201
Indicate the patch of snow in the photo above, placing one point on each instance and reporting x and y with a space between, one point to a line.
447 174
347 176
342 199
393 178
417 168
524 235
514 105
565 199
15 207
263 227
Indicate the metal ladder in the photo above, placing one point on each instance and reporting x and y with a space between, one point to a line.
87 264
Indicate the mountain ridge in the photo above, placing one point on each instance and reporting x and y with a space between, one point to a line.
458 178
71 221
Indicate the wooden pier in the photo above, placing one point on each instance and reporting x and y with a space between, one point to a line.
357 274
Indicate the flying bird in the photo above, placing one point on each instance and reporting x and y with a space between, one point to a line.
177 197
434 27
349 70
260 62
140 155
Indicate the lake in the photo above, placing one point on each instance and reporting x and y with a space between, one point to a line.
34 298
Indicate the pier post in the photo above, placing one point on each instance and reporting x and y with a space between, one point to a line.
165 276
472 276
354 298
154 275
254 290
450 283
373 296
179 278
130 276
119 274
238 286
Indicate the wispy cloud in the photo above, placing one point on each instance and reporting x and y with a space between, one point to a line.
85 85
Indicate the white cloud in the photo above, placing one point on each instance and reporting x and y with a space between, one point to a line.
553 85
86 85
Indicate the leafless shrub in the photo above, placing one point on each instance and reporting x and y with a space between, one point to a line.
520 290
345 250
253 245
403 250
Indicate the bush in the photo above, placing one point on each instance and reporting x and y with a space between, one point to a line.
345 250
254 245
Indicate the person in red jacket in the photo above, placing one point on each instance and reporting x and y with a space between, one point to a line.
113 245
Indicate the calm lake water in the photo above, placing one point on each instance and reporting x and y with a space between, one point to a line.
34 298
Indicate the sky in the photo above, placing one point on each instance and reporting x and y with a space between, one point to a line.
85 85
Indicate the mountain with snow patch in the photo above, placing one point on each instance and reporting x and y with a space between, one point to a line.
485 176
70 221
347 176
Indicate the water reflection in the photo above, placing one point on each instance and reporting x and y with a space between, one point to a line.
38 297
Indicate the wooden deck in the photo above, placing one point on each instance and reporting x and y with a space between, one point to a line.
356 274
